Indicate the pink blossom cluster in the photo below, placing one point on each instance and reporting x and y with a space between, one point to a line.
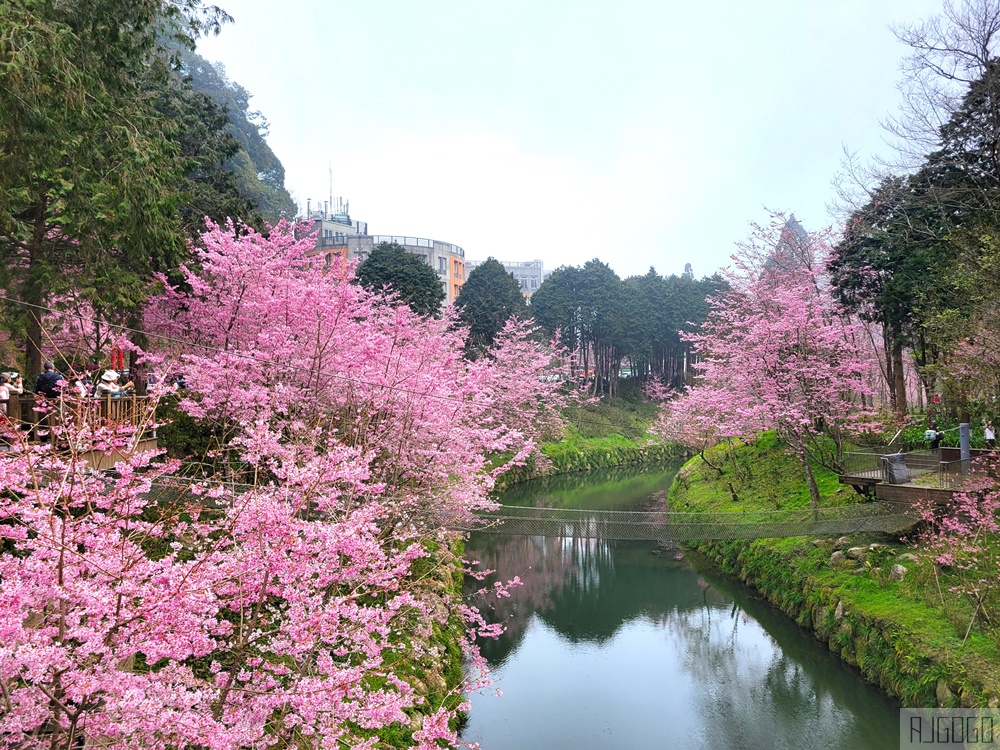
286 342
964 541
137 618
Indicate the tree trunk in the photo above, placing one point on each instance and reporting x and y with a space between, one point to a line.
813 488
898 379
138 372
887 371
32 349
35 293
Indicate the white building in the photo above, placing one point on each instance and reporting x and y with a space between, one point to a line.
529 273
336 234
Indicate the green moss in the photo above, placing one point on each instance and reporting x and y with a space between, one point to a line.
899 634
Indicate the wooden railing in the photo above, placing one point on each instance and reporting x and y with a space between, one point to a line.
955 474
81 413
866 464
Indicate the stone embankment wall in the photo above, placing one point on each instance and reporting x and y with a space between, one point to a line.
874 643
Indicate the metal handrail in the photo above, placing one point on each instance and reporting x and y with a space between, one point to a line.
885 465
341 241
953 474
417 242
859 463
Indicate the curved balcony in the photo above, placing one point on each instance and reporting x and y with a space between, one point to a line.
419 242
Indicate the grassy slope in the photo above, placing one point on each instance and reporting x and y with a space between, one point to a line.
628 416
599 435
904 635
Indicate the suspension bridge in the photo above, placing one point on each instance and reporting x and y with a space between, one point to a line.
670 526
649 525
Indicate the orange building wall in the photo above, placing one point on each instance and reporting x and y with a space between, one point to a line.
457 268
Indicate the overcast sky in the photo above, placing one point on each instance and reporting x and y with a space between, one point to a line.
643 133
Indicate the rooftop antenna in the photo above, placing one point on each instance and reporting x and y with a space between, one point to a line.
330 167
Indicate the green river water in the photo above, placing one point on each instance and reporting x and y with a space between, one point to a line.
614 645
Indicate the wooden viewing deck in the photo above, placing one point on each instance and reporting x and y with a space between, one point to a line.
914 478
81 414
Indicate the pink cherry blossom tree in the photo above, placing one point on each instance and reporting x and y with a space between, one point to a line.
141 613
75 331
776 354
279 340
144 608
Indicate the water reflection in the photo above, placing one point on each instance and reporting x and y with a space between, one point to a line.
806 685
571 582
610 645
619 488
577 587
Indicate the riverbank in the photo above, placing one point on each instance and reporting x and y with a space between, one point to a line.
686 655
877 601
599 435
432 661
582 455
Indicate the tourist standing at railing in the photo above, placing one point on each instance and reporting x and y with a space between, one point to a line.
10 382
47 384
77 387
109 384
4 395
4 401
989 434
14 383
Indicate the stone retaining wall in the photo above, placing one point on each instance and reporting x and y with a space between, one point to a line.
879 648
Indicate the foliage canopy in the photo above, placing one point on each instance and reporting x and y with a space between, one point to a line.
413 281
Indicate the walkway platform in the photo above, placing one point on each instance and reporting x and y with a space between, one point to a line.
917 478
79 416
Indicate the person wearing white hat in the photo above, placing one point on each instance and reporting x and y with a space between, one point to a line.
109 386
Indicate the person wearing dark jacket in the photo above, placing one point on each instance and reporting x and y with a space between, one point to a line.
47 383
